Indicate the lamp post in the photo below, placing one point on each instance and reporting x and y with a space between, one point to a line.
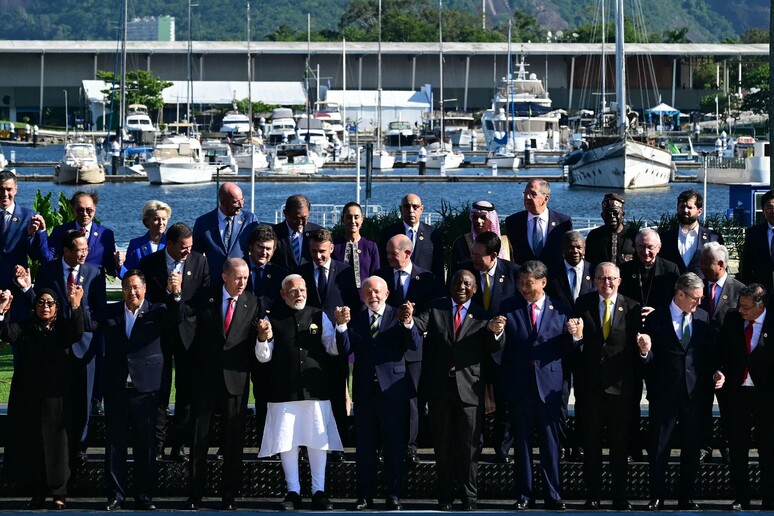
67 119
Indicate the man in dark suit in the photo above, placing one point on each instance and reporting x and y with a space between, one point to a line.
265 280
459 335
224 347
604 381
133 369
613 241
497 280
23 235
182 274
293 233
408 282
649 280
102 242
331 284
757 264
57 276
381 390
683 244
538 334
223 232
536 232
676 348
748 393
426 240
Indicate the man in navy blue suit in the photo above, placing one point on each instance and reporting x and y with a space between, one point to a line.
57 276
223 232
133 365
757 263
293 233
536 232
381 390
265 280
102 242
426 240
677 350
22 235
538 334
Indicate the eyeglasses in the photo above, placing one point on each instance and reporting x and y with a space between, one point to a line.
411 206
87 211
605 279
43 303
133 288
695 299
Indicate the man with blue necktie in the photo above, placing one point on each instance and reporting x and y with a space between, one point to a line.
223 232
293 233
265 280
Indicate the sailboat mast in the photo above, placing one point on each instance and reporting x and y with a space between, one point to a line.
603 103
379 84
620 65
250 112
122 103
440 67
189 93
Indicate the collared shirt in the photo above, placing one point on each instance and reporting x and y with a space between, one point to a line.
129 319
406 227
222 224
326 266
465 308
76 269
405 278
541 303
291 232
379 312
756 336
613 298
531 225
677 319
9 212
687 241
770 234
224 301
88 229
172 264
574 287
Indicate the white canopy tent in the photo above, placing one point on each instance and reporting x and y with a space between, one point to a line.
407 106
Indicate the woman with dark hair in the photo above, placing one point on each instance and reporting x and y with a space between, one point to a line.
155 215
358 252
37 453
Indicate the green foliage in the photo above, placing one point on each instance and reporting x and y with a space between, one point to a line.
755 35
454 222
675 36
258 107
757 78
141 88
54 215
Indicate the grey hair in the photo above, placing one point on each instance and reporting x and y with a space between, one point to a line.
717 251
374 279
543 186
289 278
688 281
641 234
603 265
150 208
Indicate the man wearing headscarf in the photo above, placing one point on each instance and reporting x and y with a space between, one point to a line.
613 241
483 217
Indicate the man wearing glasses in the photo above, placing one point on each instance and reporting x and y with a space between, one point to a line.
426 241
676 348
605 380
536 232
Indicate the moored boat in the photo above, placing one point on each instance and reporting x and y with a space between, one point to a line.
79 165
178 160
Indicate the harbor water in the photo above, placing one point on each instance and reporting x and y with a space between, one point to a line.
120 204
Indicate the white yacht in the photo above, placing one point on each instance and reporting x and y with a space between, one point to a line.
282 128
178 159
235 122
219 154
292 159
400 134
139 125
746 160
79 165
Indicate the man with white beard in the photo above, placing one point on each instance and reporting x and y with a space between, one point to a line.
300 347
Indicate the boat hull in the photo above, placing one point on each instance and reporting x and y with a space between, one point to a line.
444 160
504 162
755 170
89 174
624 164
178 173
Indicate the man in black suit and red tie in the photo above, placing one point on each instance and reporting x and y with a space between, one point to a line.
224 349
677 350
683 244
412 283
459 335
757 264
604 382
133 369
747 382
426 240
293 233
381 391
176 274
536 232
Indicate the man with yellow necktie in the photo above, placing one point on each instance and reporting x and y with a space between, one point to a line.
604 380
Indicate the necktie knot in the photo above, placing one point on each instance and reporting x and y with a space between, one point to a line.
83 229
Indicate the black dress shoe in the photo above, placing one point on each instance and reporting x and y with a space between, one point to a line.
622 505
60 505
469 505
592 505
37 503
656 504
145 505
738 505
320 502
688 505
523 505
193 504
393 504
229 504
363 504
178 454
502 458
446 507
555 505
767 505
412 459
292 502
114 505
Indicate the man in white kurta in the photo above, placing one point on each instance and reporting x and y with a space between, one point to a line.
298 343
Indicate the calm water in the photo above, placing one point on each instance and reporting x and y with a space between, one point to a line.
121 203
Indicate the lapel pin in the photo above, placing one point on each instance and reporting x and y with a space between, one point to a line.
15 219
765 335
704 236
239 221
268 276
306 234
145 248
187 273
416 278
470 316
95 233
140 314
550 307
359 251
212 300
553 224
634 276
588 278
80 279
620 309
421 237
725 297
502 280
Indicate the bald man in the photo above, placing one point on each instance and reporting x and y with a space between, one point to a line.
223 232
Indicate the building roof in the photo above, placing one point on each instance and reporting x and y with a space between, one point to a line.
390 98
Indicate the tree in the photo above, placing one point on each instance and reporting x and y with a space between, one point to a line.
282 33
676 36
757 82
141 88
526 28
754 36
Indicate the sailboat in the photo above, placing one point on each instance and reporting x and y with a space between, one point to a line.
442 158
620 161
382 160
